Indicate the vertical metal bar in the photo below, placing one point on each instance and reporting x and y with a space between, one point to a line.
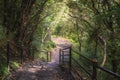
8 50
62 57
21 55
32 52
96 46
47 57
59 56
94 75
5 23
50 56
70 59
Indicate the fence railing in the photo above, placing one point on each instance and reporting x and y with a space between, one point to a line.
73 63
48 55
23 52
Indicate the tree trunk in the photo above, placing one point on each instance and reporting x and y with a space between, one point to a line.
103 41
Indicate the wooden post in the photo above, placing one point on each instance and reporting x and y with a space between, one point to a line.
94 75
70 59
59 56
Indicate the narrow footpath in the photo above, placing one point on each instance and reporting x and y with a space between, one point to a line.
43 70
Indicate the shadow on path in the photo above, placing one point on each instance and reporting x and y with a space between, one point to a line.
43 70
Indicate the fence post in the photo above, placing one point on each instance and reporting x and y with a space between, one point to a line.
59 56
94 75
21 56
70 59
8 51
47 57
50 55
62 57
32 53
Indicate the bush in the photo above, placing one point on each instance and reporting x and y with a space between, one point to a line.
3 72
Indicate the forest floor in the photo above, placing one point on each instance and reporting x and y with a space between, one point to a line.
39 70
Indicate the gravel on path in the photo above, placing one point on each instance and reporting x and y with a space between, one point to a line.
43 70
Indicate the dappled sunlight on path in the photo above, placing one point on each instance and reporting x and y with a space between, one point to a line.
43 70
46 71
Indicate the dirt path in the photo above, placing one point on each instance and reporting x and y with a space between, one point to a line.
43 70
61 43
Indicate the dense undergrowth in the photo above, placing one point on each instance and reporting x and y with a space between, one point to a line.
92 26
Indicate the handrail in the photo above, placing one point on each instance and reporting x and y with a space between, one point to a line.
94 64
21 47
103 69
98 67
66 48
108 71
81 67
82 56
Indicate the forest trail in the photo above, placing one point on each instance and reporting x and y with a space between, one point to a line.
44 70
